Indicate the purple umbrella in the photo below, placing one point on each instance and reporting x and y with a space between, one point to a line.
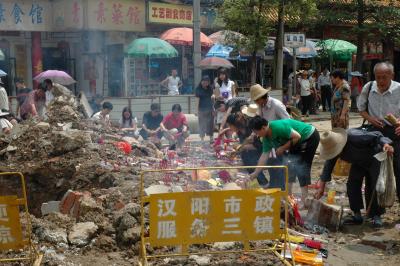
56 76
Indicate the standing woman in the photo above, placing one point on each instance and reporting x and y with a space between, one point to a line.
340 100
206 119
224 89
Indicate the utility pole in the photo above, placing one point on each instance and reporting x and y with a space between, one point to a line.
196 43
279 47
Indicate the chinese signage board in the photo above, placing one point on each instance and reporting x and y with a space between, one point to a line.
118 15
10 227
67 15
294 40
170 14
214 216
25 15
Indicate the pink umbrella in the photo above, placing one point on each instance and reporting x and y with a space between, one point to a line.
56 76
214 63
184 36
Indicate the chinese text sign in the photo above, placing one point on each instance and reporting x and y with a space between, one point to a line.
170 14
119 15
214 216
10 227
25 15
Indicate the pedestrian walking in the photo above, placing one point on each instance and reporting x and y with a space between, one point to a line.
357 147
340 100
173 83
356 86
325 86
205 110
378 99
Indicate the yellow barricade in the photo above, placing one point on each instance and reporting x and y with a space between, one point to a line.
199 217
12 236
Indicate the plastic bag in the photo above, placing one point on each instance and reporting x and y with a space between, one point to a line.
386 183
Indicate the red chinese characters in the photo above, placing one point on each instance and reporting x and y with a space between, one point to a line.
101 13
133 15
75 12
171 14
117 14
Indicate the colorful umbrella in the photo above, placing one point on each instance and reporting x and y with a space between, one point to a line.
184 36
56 76
214 63
337 49
224 36
2 73
219 50
151 47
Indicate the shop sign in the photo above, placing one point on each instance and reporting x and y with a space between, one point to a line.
170 14
25 15
214 216
118 15
10 226
67 15
294 40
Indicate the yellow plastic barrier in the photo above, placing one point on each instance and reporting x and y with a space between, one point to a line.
197 217
12 236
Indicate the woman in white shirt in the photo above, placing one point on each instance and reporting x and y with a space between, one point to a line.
173 83
224 89
128 124
305 93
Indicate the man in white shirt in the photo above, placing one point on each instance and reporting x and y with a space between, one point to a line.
3 98
269 108
325 86
173 83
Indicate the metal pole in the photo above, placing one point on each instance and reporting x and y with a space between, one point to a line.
196 43
279 47
292 91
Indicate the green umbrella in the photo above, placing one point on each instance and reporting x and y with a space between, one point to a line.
152 48
338 49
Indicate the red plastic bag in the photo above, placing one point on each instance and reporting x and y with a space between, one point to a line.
124 146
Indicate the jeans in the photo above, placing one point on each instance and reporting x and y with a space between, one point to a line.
250 158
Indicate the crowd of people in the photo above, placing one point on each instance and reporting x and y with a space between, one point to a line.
267 133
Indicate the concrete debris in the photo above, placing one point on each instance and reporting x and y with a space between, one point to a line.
201 260
157 189
50 207
324 214
82 233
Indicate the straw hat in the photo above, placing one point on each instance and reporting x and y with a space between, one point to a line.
332 143
251 110
257 91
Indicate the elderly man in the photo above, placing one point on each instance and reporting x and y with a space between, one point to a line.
377 99
269 108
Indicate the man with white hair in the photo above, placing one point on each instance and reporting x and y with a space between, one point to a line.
378 99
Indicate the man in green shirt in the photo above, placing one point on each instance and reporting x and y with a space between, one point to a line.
288 137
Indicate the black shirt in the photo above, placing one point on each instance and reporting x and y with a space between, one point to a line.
204 95
151 122
360 148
